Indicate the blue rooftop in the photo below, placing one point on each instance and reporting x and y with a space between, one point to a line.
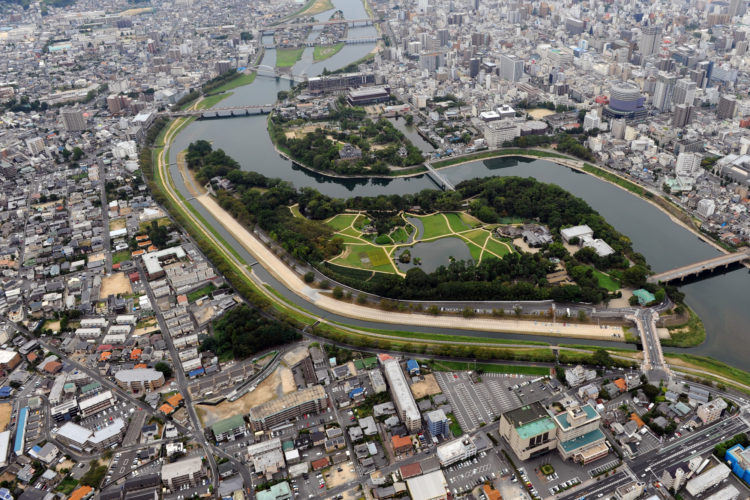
581 441
21 431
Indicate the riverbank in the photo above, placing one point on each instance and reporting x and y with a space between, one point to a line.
605 175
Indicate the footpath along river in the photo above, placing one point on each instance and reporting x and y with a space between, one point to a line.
721 301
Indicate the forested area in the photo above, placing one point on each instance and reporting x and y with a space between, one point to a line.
382 145
243 332
265 202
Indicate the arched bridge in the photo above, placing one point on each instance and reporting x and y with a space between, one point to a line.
680 273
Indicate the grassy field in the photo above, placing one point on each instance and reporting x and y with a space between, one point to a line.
457 223
196 294
341 221
212 100
447 366
67 485
434 225
712 365
690 334
399 235
607 281
455 427
311 8
120 256
357 256
286 58
242 80
323 52
478 236
497 247
495 153
633 188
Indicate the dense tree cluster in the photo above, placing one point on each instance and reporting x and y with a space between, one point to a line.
381 144
208 163
243 332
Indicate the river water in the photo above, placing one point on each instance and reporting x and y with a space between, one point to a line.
721 301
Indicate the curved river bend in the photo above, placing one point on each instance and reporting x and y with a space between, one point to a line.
721 301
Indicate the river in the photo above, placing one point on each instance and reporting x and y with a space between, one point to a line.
721 301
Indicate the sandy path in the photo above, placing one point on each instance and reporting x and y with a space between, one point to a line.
281 272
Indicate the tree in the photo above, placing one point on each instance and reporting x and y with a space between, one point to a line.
338 292
309 277
602 358
163 367
635 276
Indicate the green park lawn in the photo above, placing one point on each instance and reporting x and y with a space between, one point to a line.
434 226
399 235
607 281
357 256
323 52
341 221
477 236
286 58
456 223
497 247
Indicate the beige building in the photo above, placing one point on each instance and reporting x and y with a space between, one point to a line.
711 411
139 379
529 430
188 471
579 436
293 405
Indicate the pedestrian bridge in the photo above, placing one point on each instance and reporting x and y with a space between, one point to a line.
680 273
439 178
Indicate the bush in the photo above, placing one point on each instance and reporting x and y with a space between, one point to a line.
338 293
309 277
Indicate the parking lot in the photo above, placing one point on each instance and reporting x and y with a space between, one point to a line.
475 404
465 476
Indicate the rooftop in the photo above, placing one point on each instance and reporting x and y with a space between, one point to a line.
582 441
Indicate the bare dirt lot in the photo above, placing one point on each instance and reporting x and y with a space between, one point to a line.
115 284
6 409
338 478
116 224
427 387
275 385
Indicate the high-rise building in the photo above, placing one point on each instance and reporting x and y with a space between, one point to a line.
444 37
574 26
727 107
688 164
511 68
474 67
650 38
402 396
684 92
663 93
682 115
625 101
73 120
737 7
35 145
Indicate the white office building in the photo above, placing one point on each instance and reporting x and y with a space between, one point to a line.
402 396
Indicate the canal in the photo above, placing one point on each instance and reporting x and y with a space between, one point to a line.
720 301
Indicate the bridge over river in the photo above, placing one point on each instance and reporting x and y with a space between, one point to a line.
680 273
